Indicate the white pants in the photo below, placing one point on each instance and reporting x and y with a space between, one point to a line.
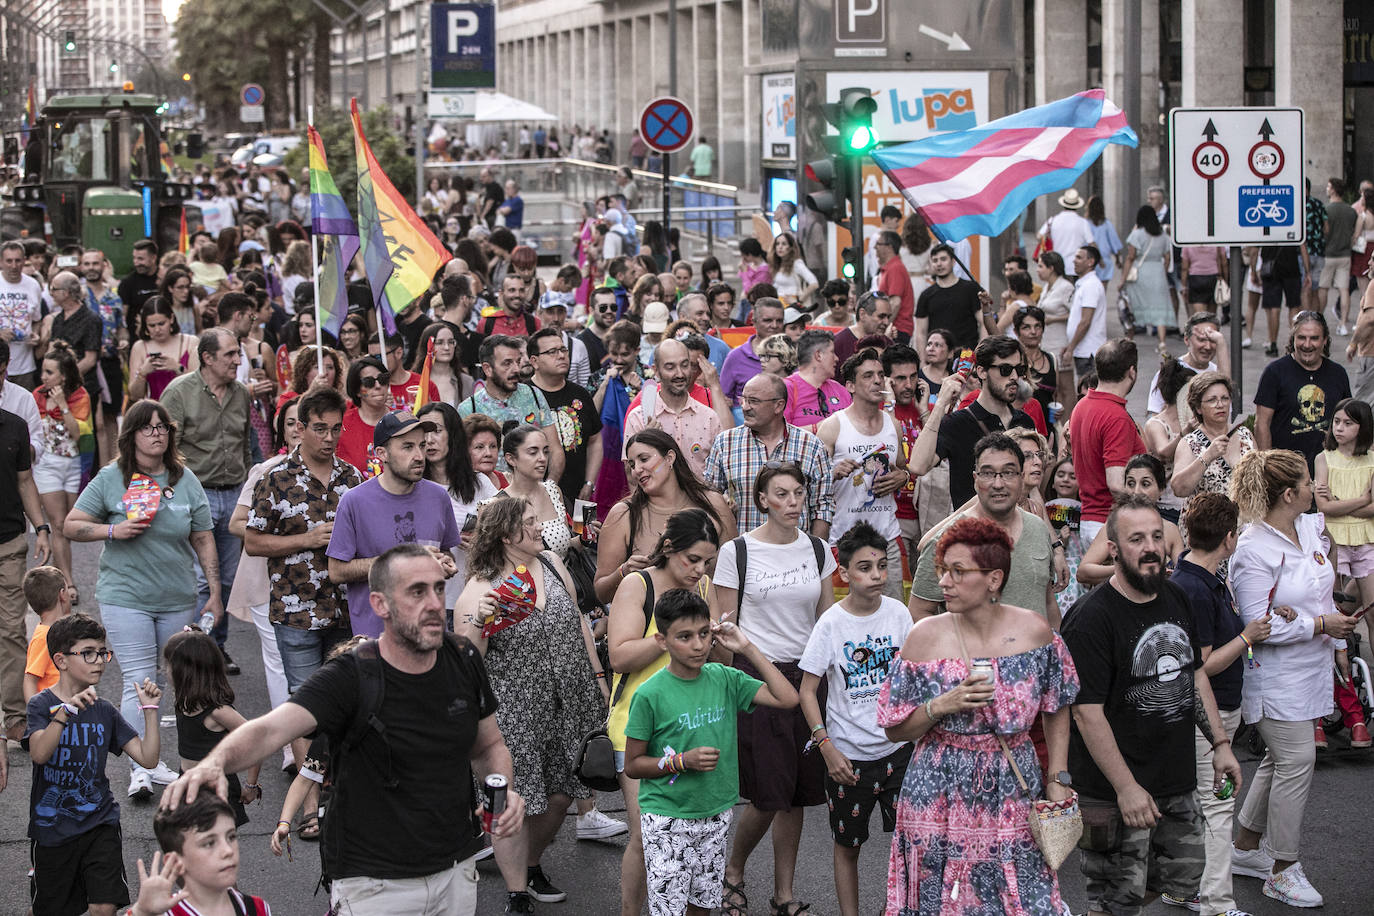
1278 792
271 663
1217 814
1087 532
452 892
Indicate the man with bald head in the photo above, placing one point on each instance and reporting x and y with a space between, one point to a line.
739 454
211 410
691 423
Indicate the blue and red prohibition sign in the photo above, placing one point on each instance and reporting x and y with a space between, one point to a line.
667 124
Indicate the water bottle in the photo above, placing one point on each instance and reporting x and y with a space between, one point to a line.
207 621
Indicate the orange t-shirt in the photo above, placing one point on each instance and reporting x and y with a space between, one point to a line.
39 663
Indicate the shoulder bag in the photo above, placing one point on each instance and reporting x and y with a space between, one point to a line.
1055 826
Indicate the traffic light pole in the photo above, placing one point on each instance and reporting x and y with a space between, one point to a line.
854 185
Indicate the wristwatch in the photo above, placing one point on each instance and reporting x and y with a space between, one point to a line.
1063 778
39 529
1058 545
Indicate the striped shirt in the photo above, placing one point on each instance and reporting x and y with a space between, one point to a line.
737 457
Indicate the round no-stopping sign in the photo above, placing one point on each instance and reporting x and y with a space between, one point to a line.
667 124
1266 159
251 94
1210 160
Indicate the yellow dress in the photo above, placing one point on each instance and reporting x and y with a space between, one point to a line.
1348 478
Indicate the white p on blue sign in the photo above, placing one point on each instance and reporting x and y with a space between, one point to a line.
463 45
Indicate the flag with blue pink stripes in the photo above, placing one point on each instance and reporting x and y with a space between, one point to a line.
976 182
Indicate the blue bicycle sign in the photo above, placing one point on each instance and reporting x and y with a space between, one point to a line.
1266 205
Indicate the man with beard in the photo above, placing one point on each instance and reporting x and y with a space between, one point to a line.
514 319
997 463
910 408
593 337
1131 750
401 836
114 344
141 283
579 425
1000 364
1297 393
507 397
692 424
398 506
693 307
1104 435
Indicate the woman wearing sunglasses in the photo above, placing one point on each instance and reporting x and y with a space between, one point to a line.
368 391
157 545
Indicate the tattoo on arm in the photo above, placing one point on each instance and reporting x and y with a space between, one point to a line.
1200 717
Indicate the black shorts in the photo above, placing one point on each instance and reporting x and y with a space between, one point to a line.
774 772
69 878
113 370
1202 289
851 807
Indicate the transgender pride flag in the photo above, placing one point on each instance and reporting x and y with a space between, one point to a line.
975 182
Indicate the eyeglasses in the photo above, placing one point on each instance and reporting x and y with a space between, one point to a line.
156 429
957 573
1037 455
554 351
370 381
989 476
751 402
838 300
91 656
1006 369
320 429
1217 402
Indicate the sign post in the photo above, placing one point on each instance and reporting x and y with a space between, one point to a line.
1246 163
667 124
251 99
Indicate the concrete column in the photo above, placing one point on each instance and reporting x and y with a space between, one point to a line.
1212 79
1122 202
1307 75
733 95
1061 48
704 62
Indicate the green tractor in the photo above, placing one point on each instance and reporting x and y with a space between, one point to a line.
94 176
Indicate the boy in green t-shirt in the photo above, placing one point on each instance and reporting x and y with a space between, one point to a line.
681 742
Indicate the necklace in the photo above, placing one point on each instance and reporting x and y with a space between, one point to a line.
653 527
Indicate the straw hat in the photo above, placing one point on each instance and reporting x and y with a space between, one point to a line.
1071 200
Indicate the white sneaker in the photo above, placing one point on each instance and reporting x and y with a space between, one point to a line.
1235 913
1343 330
140 784
596 826
1188 903
1252 863
162 774
1291 886
1245 344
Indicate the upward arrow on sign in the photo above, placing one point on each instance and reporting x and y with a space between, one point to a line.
1210 131
1265 130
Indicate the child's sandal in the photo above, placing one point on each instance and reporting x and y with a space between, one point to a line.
786 909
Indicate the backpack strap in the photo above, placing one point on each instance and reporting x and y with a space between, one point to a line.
741 564
488 323
367 715
648 619
818 547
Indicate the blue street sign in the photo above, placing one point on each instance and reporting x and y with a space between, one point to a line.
463 45
1267 205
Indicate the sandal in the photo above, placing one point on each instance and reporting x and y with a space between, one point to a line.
734 903
783 909
309 829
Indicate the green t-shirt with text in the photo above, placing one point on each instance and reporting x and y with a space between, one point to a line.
668 711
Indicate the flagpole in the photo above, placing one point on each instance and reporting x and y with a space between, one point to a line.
381 337
315 274
943 241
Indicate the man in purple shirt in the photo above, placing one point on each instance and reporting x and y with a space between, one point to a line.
743 364
398 506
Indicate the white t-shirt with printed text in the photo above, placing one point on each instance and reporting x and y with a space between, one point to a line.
781 590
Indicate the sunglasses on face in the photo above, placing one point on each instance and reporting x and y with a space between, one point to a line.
370 381
1006 369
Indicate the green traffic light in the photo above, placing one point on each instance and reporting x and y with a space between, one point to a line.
848 270
70 46
863 138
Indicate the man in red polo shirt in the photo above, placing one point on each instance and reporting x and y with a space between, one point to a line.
895 283
1104 435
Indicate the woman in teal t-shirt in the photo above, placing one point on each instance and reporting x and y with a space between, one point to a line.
146 586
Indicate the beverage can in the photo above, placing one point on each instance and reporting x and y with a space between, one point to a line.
494 799
1227 787
982 667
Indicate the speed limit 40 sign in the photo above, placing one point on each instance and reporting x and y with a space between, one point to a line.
1236 176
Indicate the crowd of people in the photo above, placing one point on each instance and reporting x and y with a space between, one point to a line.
765 535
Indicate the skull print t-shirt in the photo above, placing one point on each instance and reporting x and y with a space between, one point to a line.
1303 401
1137 662
370 520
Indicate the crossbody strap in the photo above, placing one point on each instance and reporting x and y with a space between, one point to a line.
1006 751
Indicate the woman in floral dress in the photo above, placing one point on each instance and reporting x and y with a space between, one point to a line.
963 845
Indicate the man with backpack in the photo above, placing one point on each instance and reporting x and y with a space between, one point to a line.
400 835
514 319
505 397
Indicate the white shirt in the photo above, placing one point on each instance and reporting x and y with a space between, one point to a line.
854 654
789 285
19 312
1088 293
19 401
1292 679
1068 232
780 593
579 363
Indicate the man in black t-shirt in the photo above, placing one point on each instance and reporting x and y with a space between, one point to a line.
141 283
400 824
1297 394
493 195
18 497
951 302
78 326
1142 690
579 422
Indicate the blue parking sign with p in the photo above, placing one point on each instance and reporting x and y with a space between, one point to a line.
1267 205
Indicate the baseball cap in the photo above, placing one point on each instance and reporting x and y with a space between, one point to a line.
394 424
553 300
791 315
655 318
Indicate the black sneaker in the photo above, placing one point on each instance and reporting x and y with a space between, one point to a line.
519 902
542 889
1271 350
230 666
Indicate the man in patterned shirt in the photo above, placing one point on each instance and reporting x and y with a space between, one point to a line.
114 343
290 524
739 454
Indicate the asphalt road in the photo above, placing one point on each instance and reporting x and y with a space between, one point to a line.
1336 831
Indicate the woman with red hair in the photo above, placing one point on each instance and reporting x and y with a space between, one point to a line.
982 671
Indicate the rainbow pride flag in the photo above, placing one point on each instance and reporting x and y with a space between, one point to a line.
400 253
333 224
29 117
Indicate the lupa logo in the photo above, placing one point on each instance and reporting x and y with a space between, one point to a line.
941 109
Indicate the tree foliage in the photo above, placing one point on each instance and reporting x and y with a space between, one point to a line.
336 131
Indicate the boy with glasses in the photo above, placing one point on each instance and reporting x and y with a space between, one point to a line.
74 833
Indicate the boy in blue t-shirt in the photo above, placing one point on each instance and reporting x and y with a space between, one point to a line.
77 856
681 742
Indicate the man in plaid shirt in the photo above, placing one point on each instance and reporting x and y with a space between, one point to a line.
739 454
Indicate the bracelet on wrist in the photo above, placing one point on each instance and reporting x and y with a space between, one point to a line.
286 824
148 706
599 675
817 727
930 711
1220 743
252 785
110 535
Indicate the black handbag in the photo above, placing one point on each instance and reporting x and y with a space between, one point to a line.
582 567
594 764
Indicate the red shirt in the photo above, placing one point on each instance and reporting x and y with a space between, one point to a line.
895 283
403 394
1104 436
909 422
355 444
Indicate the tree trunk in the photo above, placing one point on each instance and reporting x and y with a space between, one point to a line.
322 65
278 86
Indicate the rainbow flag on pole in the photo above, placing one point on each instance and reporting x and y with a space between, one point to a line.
30 116
333 224
400 253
